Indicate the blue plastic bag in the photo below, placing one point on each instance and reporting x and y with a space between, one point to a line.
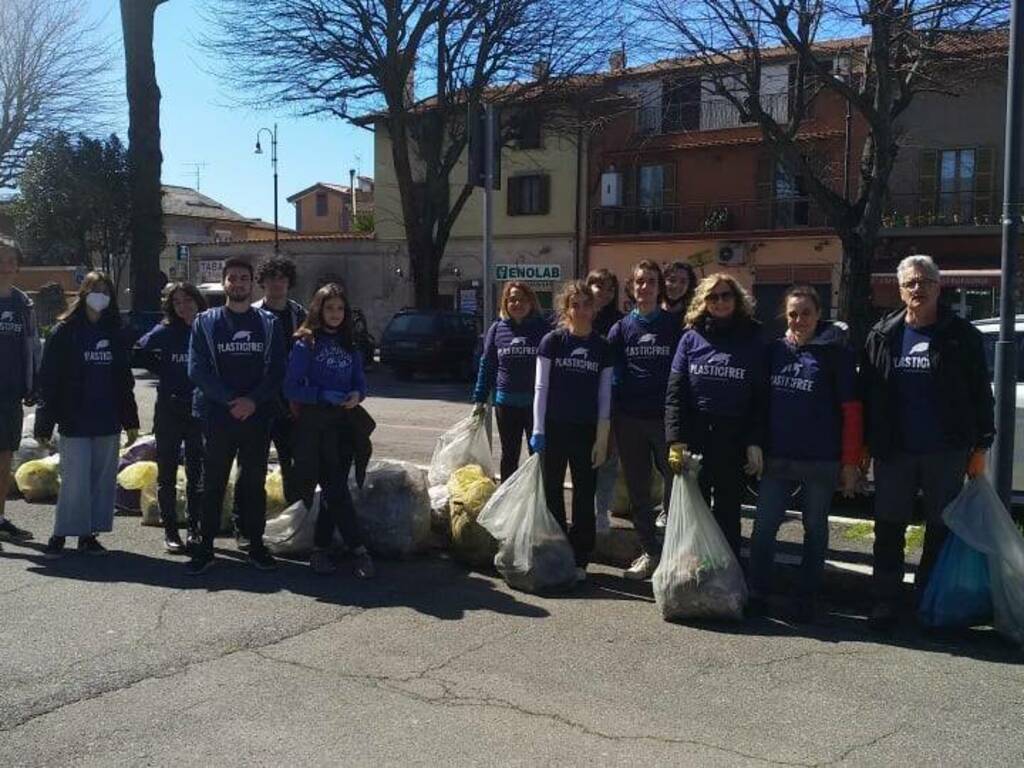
959 591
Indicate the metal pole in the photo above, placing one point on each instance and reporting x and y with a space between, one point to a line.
1006 347
273 160
489 129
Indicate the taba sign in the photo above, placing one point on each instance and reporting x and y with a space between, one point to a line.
543 273
209 271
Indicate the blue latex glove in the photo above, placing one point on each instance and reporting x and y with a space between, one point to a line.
537 442
334 396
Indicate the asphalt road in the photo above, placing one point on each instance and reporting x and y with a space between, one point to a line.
126 661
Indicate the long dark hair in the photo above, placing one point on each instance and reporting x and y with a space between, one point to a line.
315 318
170 316
691 281
111 316
604 275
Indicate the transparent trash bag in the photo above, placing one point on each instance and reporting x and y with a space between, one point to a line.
534 554
978 517
463 444
959 591
698 576
292 532
393 508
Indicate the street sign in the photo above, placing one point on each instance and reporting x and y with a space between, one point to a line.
529 272
467 300
182 253
209 271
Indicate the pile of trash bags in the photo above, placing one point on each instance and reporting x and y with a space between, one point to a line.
534 554
469 489
698 576
980 571
463 445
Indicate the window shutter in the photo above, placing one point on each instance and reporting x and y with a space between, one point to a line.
765 176
927 181
545 194
629 174
512 196
984 181
668 185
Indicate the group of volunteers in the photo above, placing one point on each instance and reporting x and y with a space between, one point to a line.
689 371
231 380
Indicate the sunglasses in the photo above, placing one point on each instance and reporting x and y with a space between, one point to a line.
915 283
713 298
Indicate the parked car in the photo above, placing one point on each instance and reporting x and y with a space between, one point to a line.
990 330
430 340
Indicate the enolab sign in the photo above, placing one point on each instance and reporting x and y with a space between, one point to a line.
535 272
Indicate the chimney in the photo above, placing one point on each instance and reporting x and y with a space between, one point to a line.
352 189
617 61
541 69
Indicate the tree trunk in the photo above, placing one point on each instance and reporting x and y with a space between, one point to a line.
425 263
144 157
855 285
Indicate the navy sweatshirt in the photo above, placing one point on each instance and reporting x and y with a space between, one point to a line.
164 351
642 349
509 361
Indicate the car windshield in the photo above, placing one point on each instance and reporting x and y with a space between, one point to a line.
413 324
990 353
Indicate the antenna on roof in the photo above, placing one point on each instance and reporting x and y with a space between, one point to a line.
197 169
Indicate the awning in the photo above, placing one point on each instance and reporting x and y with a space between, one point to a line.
951 278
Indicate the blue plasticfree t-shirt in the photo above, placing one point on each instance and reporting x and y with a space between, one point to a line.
642 348
100 410
576 365
240 346
807 385
169 343
12 350
920 429
721 372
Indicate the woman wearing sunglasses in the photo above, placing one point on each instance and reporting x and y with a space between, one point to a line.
714 403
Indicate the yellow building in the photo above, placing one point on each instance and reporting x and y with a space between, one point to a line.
539 213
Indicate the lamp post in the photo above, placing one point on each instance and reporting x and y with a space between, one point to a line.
273 164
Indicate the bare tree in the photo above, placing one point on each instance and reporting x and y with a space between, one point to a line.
53 76
360 60
891 52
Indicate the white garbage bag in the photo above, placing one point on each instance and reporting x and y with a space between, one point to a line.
393 508
465 443
978 517
534 554
698 576
292 532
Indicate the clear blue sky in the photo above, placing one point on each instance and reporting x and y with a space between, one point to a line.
197 126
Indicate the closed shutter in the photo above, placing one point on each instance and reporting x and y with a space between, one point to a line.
512 196
668 185
545 194
927 181
629 181
984 182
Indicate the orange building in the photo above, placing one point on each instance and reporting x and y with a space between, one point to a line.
328 208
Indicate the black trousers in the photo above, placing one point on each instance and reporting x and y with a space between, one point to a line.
513 423
323 454
722 480
249 442
642 448
570 445
282 435
173 425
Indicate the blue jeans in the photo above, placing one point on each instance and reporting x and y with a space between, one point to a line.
88 483
819 479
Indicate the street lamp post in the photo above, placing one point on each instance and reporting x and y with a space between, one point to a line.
273 164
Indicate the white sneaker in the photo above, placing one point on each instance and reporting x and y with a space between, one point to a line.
641 569
581 575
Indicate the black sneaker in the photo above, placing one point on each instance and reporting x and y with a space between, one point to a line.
90 545
363 568
199 564
262 560
54 548
192 541
10 532
883 617
242 542
173 543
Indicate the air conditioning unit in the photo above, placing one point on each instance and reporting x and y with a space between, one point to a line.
732 254
611 189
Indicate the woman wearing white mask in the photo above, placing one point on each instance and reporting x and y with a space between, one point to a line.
86 388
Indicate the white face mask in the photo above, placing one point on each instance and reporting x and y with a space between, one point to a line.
97 302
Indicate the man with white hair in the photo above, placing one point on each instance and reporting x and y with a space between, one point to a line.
928 414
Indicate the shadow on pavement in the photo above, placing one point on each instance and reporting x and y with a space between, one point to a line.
383 384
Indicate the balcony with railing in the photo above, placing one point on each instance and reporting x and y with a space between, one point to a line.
710 218
712 114
916 211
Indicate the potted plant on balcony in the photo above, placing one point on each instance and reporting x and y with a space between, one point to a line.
716 220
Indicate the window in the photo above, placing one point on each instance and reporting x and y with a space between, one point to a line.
526 129
956 184
321 203
650 193
791 205
529 195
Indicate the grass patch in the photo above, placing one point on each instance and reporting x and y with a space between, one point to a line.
865 531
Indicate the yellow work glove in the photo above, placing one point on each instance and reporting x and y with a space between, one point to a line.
677 455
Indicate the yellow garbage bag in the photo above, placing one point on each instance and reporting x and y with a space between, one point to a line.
470 488
150 504
135 477
275 494
39 480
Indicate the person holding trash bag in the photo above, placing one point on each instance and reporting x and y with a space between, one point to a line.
715 395
814 440
87 390
680 283
928 420
236 360
324 383
571 409
164 351
20 351
507 368
642 345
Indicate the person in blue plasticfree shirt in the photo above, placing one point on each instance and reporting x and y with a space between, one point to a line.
236 360
20 352
642 345
508 367
164 351
571 410
714 401
324 384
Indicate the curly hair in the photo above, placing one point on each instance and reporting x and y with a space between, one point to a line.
277 267
570 291
744 304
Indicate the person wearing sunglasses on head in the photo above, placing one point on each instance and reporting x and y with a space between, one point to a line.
714 402
929 420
